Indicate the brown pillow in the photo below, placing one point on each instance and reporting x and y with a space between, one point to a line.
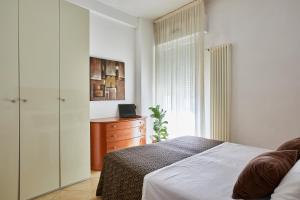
291 145
263 174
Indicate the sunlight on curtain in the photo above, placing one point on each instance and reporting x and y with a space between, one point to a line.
179 69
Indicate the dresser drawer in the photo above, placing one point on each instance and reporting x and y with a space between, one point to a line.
114 146
124 134
112 134
124 125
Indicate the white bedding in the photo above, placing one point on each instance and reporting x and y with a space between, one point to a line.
210 175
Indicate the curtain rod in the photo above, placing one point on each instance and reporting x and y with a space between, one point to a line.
174 11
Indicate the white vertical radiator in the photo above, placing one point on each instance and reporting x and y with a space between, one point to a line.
220 91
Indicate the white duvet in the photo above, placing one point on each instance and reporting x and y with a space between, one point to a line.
210 175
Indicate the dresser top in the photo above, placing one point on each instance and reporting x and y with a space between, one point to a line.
116 119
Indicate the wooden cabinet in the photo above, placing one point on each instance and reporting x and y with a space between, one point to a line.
112 134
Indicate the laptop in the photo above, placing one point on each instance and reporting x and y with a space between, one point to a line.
127 111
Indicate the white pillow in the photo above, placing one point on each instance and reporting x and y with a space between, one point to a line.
289 188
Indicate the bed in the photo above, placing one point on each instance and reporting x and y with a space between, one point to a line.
123 173
209 175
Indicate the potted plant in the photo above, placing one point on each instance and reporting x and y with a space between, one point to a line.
159 124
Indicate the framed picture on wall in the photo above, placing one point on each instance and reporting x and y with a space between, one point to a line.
107 79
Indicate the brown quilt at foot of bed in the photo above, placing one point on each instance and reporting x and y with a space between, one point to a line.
123 172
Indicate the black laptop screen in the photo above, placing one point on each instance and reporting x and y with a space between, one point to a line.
127 110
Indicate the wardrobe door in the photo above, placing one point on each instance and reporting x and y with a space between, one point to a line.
9 105
39 92
74 94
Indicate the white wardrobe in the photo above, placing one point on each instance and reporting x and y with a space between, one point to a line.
44 97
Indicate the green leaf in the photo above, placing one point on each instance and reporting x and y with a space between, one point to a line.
160 130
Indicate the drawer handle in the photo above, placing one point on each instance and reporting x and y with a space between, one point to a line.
114 126
11 100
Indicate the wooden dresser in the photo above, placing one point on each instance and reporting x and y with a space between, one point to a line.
112 134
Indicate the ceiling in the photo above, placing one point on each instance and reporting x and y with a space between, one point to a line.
145 8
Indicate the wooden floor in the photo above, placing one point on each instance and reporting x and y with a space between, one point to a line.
82 191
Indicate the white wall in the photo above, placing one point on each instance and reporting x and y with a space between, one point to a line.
107 12
144 69
119 36
112 40
266 70
145 52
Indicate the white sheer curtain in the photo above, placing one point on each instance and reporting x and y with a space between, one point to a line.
179 69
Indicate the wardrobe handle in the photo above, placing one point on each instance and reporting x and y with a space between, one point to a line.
62 99
24 100
11 100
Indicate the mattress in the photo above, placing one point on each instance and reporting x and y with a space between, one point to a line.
209 175
123 172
